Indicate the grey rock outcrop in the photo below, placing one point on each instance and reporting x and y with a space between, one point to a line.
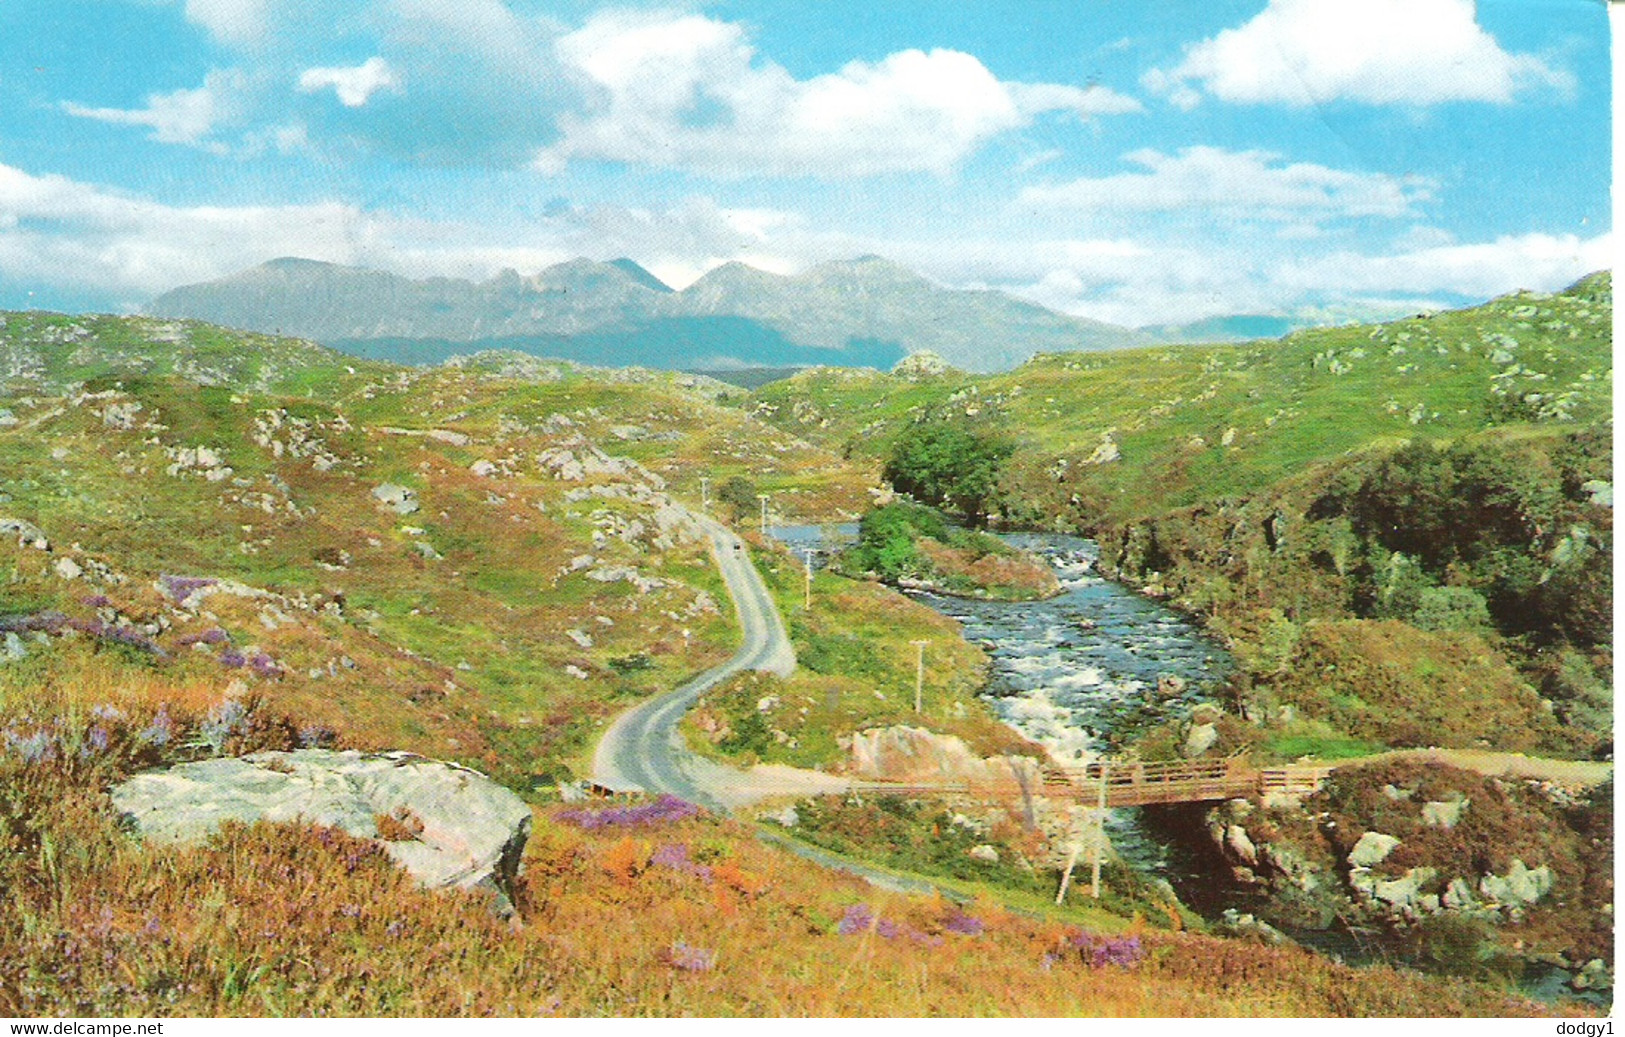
468 831
1373 848
401 500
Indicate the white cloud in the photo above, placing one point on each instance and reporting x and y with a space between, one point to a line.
1235 183
354 86
232 21
1540 262
689 92
1401 52
178 117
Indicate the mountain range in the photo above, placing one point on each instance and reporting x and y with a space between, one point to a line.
866 312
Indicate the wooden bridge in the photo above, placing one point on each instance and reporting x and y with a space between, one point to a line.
1138 783
1134 783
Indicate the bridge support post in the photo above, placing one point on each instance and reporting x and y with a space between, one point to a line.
1066 876
1100 829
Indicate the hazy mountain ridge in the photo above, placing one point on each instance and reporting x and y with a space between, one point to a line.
866 311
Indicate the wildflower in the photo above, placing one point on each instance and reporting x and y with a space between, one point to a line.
666 809
97 739
96 601
39 747
182 587
265 666
232 658
672 855
959 922
858 919
1100 951
689 958
106 712
160 730
395 928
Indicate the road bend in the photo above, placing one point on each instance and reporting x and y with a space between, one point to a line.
643 747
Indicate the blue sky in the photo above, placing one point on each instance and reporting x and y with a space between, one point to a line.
1131 162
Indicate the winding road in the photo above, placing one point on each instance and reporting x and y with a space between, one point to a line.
644 748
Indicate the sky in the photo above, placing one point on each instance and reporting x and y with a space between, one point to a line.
1137 163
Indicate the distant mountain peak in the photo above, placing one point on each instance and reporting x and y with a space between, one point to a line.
638 273
864 311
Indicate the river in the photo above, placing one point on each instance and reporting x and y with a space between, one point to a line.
1071 670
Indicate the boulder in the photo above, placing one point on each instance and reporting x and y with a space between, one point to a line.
922 363
472 834
1201 738
68 569
1443 813
1373 848
913 754
984 852
27 534
402 500
1236 838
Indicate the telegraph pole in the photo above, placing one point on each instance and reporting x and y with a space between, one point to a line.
919 673
763 498
806 555
705 493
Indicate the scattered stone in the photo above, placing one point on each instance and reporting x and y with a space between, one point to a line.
483 468
787 818
922 363
1236 838
984 852
1201 738
427 550
13 649
402 500
1443 813
580 637
68 569
575 671
1373 848
473 830
27 534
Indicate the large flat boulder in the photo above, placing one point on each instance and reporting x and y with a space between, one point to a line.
447 825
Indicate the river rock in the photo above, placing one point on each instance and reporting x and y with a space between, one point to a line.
1373 848
1200 739
1236 838
473 830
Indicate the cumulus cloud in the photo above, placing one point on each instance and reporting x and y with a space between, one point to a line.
1386 52
690 92
1237 183
177 117
232 21
124 248
1540 262
354 86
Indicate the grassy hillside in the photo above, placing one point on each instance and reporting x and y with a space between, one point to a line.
1267 487
208 500
1194 423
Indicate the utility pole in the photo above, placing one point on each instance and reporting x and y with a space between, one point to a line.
919 673
705 493
763 498
806 555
